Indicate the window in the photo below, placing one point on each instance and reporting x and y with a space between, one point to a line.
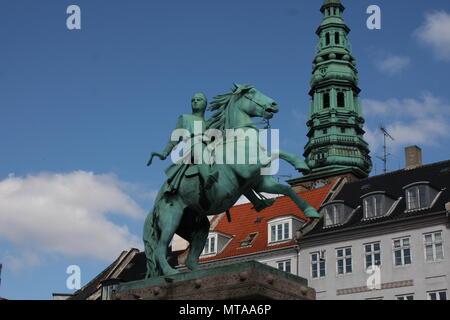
343 130
280 232
418 197
373 254
248 241
405 297
327 39
373 207
210 245
402 252
336 38
284 266
437 295
282 228
344 261
334 215
433 247
341 100
317 265
326 100
376 205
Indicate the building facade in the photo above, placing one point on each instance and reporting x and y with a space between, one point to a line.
385 237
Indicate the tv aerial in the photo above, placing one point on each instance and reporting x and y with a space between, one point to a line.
386 155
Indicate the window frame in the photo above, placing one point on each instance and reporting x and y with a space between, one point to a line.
318 264
433 244
430 196
284 264
335 213
372 254
283 221
437 292
344 258
420 200
381 208
211 236
402 249
405 296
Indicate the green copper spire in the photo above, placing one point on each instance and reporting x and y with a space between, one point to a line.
335 116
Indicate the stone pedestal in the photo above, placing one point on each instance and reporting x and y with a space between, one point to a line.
241 281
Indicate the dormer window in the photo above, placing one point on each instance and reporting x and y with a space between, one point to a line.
281 229
215 243
210 245
419 196
336 214
376 205
280 232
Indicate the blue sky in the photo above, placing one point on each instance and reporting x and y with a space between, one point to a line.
81 110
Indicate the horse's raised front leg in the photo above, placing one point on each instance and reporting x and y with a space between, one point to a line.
290 158
269 185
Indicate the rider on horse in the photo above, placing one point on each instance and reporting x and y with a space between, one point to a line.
192 162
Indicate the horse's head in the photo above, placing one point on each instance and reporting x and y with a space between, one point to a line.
254 103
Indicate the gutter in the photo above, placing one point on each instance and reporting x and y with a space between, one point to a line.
389 222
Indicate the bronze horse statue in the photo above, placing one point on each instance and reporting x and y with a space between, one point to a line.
186 210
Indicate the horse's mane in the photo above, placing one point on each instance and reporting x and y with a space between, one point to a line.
220 105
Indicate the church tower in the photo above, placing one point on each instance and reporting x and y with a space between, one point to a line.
336 145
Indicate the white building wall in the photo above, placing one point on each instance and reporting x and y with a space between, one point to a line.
426 276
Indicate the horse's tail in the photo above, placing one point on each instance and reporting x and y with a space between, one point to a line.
151 236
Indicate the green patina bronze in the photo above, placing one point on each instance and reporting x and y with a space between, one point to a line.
335 121
193 192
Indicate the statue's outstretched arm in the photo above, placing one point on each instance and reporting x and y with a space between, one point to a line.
169 147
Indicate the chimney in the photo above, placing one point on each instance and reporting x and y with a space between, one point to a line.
413 156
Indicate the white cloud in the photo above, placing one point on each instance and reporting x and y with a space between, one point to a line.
66 214
393 65
21 260
421 121
435 32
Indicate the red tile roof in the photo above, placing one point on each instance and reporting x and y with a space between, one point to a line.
244 223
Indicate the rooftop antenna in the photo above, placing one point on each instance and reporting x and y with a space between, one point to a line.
385 156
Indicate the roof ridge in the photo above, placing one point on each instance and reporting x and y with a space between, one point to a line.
404 170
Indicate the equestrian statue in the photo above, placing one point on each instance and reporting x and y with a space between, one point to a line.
223 159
